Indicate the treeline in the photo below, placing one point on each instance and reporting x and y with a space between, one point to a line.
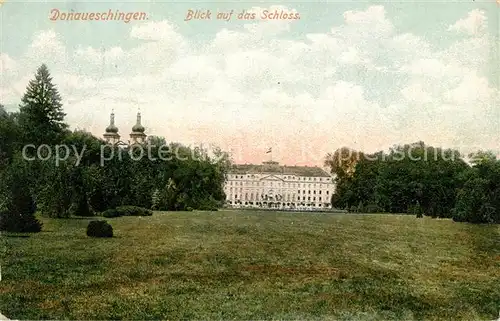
40 180
418 179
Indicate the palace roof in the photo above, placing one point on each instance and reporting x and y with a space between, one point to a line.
275 168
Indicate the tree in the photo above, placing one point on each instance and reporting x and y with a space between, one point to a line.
9 133
17 207
478 201
41 116
342 162
481 157
394 182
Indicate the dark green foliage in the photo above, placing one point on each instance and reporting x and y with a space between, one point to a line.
41 116
17 207
9 134
129 210
55 191
99 229
109 213
478 201
372 208
420 180
81 207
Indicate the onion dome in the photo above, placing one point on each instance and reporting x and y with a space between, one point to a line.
112 128
138 128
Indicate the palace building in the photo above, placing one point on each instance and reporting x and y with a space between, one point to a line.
272 185
137 136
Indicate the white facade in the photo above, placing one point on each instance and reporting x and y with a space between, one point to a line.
285 189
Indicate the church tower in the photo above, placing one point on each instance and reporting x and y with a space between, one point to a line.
137 136
111 135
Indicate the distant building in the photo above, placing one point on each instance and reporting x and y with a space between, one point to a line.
137 136
272 185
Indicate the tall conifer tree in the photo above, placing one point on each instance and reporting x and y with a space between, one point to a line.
41 115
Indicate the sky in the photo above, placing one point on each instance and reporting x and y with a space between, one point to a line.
361 74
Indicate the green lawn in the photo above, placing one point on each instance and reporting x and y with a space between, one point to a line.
254 265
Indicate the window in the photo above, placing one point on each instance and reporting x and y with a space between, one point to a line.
314 192
327 192
314 198
309 198
235 196
309 192
304 191
299 191
304 198
319 192
320 199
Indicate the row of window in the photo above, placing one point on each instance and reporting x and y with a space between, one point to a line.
278 184
320 179
284 204
303 191
314 192
287 197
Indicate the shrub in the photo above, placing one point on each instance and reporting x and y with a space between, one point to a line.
109 213
99 229
372 208
13 222
128 210
17 207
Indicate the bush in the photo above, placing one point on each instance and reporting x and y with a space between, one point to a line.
129 210
12 222
17 207
372 208
99 229
111 213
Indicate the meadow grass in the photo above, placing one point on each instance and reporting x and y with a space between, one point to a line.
254 265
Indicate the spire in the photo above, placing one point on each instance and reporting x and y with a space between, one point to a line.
112 128
138 128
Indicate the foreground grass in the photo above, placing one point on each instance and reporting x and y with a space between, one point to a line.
254 265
